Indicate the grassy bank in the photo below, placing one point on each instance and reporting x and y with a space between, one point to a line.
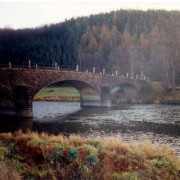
166 98
159 96
41 156
152 93
57 94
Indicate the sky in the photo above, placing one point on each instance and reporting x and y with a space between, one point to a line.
19 14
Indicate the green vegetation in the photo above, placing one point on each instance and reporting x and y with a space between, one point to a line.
41 156
155 87
152 93
162 98
158 95
57 94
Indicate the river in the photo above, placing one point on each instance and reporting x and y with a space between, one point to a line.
158 123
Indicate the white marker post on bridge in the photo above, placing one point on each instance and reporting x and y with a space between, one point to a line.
104 71
9 65
29 64
77 67
127 75
55 65
94 69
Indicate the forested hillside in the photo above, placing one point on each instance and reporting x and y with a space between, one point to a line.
126 40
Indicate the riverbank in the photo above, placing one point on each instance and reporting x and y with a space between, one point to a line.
62 94
164 98
154 93
41 156
158 95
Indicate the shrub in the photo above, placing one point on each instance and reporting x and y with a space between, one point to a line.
91 159
72 154
42 156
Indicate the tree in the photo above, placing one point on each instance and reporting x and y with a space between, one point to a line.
173 35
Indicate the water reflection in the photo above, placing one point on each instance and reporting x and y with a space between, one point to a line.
78 122
12 124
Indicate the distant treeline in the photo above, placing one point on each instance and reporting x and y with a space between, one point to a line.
129 41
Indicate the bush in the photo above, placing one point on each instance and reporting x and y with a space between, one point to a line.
40 156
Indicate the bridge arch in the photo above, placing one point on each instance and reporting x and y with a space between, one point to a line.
6 98
6 91
124 93
125 88
88 93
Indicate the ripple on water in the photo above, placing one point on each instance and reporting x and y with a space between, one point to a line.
158 123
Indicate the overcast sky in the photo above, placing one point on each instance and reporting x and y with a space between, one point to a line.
35 13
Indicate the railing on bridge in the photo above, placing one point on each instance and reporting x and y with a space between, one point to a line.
29 65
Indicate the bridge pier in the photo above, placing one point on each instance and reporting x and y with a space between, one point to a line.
105 96
103 100
90 101
23 101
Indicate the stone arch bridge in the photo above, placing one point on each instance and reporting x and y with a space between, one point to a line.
18 86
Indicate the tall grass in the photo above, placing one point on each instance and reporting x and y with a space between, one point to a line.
8 174
41 156
57 94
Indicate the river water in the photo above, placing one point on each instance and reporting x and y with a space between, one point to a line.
158 123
